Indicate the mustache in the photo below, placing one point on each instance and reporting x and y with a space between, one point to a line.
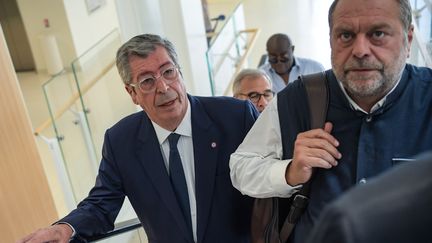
362 64
166 97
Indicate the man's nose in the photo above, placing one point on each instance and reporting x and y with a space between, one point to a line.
361 46
262 101
161 86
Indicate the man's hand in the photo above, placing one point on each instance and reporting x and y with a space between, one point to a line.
59 233
314 148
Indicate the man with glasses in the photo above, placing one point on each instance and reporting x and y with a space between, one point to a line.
254 85
170 160
282 67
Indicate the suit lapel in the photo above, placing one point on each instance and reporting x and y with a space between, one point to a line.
150 156
206 140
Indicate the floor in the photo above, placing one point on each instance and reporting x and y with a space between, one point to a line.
305 21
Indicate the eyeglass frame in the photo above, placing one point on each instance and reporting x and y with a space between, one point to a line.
267 92
273 59
167 81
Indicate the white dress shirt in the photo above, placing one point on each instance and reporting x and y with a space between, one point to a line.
257 168
185 148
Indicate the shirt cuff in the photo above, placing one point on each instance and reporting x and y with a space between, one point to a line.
73 229
278 180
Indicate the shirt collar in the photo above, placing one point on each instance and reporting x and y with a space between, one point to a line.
184 128
375 107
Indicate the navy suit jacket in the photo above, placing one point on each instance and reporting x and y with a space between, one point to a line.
395 207
133 166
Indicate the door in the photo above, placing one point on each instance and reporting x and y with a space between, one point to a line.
15 35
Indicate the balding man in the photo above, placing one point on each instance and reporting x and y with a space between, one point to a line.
255 85
282 67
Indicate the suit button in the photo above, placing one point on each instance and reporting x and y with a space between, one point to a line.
368 118
362 181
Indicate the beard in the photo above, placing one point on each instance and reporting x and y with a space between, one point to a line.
374 83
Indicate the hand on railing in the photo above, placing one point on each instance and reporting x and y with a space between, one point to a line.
119 228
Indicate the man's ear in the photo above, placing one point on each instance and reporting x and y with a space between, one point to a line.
131 91
410 36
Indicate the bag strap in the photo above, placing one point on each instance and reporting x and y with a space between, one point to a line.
318 98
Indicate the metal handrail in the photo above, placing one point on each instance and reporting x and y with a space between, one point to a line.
119 228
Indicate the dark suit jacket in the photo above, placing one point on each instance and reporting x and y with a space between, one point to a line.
395 207
132 166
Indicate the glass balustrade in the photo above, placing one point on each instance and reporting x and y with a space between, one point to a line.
228 50
61 95
82 105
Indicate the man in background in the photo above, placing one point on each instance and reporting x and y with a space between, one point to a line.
253 84
281 66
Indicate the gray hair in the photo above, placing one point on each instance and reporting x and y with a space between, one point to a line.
142 46
248 73
405 14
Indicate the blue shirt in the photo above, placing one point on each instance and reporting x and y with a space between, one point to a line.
302 66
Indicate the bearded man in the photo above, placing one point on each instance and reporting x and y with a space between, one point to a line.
379 115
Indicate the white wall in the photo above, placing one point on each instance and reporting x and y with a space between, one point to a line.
75 29
138 17
183 24
88 28
33 15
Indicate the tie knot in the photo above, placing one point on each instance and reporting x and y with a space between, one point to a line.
173 139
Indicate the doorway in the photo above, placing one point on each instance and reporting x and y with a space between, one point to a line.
15 35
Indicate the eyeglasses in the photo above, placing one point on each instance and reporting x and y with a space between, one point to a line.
282 57
276 59
255 96
147 83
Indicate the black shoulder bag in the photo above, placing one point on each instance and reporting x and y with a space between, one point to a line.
265 226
